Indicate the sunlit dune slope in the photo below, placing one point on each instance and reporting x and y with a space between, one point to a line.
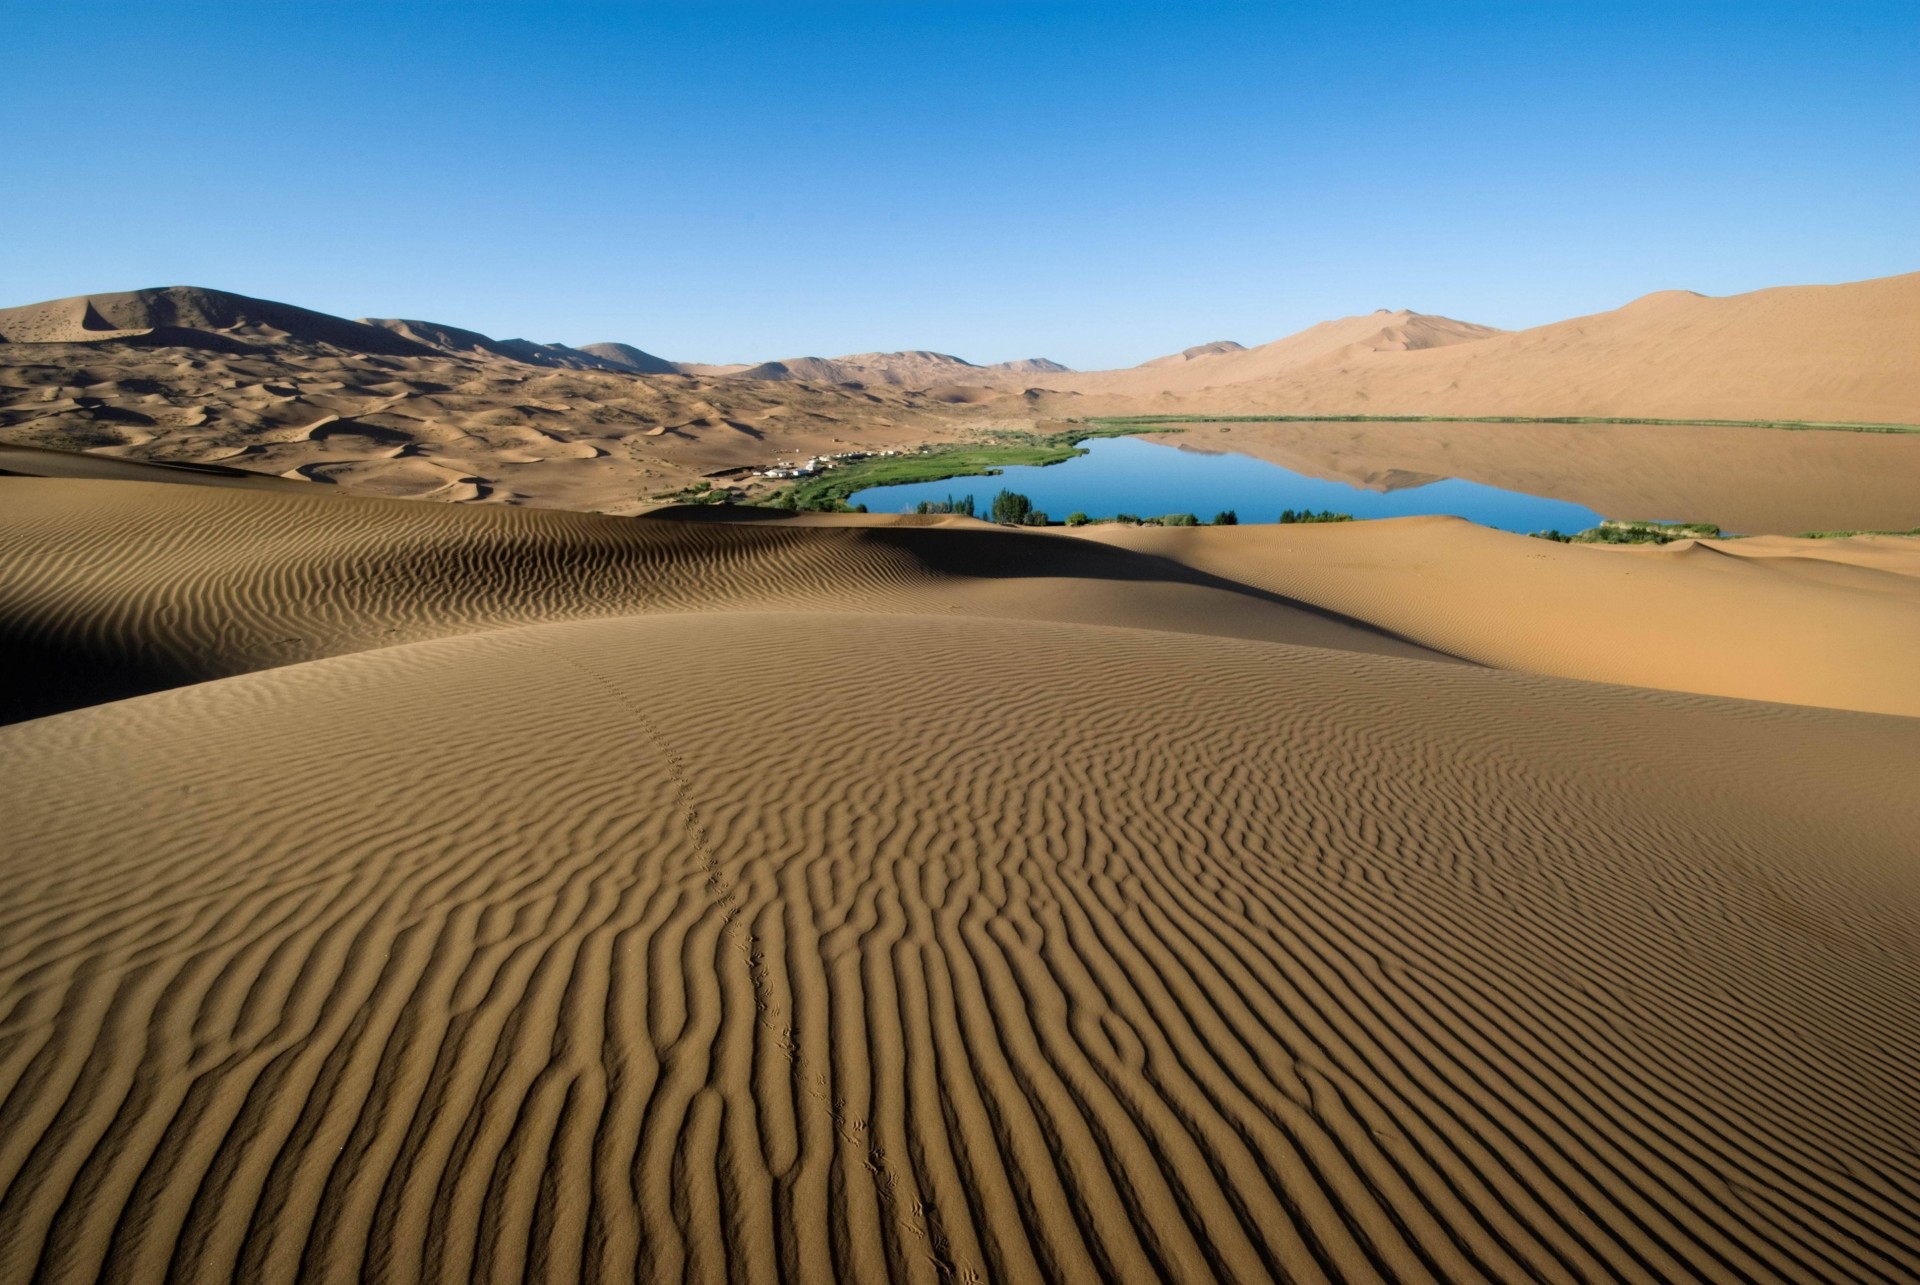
1840 352
993 950
1815 622
1220 364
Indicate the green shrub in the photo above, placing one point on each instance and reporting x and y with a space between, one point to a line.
1012 508
1077 519
1226 517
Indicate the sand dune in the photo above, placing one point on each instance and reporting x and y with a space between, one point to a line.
553 435
1814 622
190 316
912 369
1200 369
131 587
1074 953
417 409
1842 352
500 894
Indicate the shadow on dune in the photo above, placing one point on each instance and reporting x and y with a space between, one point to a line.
119 591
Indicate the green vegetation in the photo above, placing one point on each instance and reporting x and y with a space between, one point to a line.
828 491
1077 519
1618 531
963 506
1010 508
1308 515
1834 426
696 493
1841 535
1226 517
1165 519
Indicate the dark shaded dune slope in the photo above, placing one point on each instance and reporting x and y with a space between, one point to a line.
114 588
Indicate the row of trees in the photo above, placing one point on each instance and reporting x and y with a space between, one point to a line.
1011 508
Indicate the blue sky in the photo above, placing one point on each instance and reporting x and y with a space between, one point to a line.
1095 183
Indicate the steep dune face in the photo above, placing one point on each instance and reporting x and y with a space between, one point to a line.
1224 363
1842 352
1114 955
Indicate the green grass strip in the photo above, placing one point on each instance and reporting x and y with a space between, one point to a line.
828 491
1790 425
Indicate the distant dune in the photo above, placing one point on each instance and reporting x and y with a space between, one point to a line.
627 357
912 369
460 893
1223 363
1841 352
1214 349
425 410
190 316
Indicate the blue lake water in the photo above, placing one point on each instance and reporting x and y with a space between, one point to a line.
1147 479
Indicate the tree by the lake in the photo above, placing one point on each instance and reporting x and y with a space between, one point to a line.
1012 508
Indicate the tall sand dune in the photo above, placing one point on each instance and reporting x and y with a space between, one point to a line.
1824 353
1223 362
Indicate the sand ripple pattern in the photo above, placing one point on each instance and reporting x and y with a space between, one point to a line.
114 589
995 952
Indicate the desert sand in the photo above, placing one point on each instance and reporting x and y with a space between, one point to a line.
418 409
402 892
1828 352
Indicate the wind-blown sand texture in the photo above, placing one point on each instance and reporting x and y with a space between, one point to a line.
543 896
413 409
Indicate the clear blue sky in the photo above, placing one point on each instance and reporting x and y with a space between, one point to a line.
1094 183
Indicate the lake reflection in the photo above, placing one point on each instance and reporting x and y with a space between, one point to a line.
1139 476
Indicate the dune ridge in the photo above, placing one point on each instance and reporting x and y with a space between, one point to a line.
1817 352
124 587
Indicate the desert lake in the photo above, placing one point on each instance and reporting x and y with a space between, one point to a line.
1141 476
